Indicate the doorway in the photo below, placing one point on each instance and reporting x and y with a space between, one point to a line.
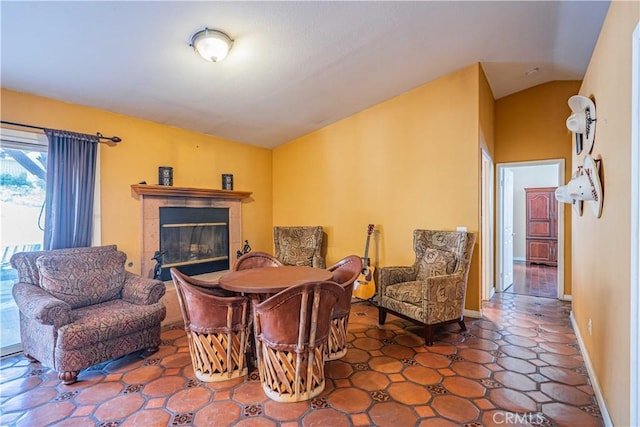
23 159
486 224
514 273
635 231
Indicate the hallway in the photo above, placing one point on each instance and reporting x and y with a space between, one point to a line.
536 280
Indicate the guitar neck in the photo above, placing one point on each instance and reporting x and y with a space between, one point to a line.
366 249
365 258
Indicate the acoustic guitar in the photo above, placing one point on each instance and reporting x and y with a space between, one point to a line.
364 287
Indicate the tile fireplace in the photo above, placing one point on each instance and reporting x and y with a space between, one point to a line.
191 243
209 239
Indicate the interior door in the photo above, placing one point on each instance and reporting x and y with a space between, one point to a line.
506 275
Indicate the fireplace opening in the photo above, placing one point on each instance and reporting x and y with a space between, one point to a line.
194 240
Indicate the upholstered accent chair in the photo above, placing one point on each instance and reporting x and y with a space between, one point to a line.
291 331
432 291
80 307
299 245
217 328
255 259
345 273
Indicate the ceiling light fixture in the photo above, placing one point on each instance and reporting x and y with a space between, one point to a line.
212 45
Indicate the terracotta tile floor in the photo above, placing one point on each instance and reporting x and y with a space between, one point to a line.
520 365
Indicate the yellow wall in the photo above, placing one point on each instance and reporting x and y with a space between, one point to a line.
198 161
486 110
530 125
406 163
601 264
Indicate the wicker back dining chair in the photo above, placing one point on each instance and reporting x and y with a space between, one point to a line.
291 331
217 329
345 273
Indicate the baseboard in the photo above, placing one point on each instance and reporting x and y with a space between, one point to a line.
567 297
592 376
472 313
519 259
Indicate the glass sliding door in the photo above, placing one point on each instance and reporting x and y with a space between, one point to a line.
23 159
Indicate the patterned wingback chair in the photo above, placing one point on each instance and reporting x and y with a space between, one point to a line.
299 245
432 291
79 307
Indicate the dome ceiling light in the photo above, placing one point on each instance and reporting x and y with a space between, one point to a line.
212 45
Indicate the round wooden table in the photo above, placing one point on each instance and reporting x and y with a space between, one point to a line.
261 283
271 280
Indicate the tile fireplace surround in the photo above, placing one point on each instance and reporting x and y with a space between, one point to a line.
153 197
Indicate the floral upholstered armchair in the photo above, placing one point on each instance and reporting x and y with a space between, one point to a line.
79 307
299 245
432 291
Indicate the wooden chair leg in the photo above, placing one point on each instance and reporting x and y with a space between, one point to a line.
149 351
382 316
68 377
31 359
428 334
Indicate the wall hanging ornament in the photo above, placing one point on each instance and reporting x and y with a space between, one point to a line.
585 187
582 122
562 195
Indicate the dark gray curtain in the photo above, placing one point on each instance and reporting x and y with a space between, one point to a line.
71 169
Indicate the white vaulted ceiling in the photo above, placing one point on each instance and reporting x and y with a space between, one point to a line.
295 66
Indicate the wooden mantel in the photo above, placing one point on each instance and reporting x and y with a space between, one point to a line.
170 191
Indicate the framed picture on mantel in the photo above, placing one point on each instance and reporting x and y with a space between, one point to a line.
227 181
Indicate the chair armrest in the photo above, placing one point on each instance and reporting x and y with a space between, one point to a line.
391 275
142 291
443 297
37 304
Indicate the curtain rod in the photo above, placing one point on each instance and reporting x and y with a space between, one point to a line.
113 139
